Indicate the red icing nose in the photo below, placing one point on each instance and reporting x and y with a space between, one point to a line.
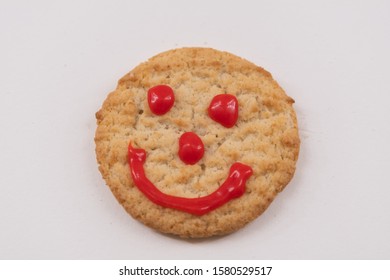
191 148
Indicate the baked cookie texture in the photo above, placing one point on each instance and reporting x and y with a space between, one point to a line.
265 137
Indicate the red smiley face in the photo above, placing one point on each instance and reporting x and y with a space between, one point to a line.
223 109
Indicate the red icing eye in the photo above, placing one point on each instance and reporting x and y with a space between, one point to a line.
160 99
224 109
191 148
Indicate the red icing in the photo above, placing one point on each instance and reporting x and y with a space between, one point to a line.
191 148
160 99
233 187
224 109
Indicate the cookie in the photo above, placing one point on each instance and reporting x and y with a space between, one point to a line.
197 142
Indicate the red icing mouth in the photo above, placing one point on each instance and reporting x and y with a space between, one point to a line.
233 187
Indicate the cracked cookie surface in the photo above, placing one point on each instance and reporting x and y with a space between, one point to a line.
264 137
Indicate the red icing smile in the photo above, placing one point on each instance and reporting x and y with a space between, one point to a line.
233 187
222 109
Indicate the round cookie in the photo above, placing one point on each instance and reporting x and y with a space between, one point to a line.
264 137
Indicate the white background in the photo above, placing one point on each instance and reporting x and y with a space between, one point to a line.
59 60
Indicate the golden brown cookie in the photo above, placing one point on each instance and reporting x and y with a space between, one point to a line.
264 137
